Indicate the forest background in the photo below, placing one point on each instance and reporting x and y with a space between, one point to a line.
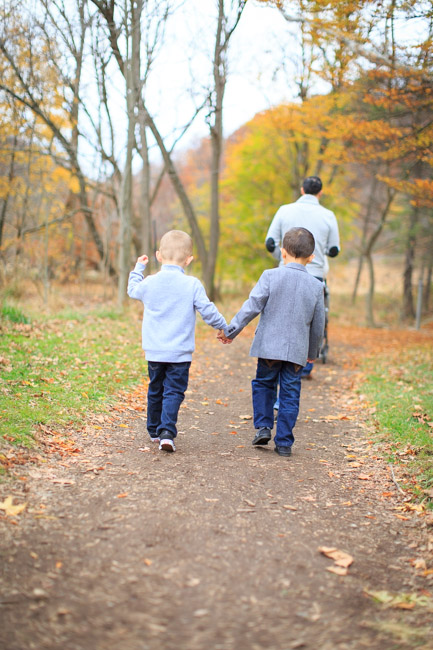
105 142
121 119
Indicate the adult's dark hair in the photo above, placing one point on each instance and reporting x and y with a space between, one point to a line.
312 185
299 242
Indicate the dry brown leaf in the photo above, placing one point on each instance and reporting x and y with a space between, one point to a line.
419 563
338 570
341 558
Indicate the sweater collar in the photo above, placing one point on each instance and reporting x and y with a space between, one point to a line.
295 265
172 267
308 198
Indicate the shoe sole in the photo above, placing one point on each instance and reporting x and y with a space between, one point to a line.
166 445
261 441
282 455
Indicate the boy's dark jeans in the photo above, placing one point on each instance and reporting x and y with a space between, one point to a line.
264 398
165 394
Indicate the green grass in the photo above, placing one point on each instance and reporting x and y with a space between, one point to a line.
55 371
400 385
13 314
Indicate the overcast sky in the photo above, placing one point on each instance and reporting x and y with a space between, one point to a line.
255 51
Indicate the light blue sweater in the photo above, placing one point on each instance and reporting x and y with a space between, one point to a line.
170 299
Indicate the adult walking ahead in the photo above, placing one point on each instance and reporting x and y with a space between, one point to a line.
307 213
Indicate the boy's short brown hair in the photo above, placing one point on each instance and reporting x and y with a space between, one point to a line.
176 246
299 242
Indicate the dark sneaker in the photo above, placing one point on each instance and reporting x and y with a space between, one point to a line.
283 451
262 436
166 441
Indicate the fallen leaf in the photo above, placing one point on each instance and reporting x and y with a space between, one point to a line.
147 561
338 570
341 558
201 612
122 496
364 477
401 600
10 509
246 417
290 508
419 563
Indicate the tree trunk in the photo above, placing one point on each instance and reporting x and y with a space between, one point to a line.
8 193
408 309
145 206
368 256
428 284
370 294
216 132
126 186
366 223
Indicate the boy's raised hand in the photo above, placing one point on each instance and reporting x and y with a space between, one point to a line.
223 338
143 259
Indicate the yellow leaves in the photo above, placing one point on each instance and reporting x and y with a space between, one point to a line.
9 509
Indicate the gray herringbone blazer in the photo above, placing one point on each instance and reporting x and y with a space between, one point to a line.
292 315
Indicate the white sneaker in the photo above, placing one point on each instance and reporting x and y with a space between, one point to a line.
154 439
166 444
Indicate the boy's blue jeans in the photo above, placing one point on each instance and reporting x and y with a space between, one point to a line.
165 394
264 397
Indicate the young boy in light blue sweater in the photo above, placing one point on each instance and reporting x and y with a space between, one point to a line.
171 299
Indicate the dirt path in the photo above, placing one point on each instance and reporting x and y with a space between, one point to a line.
215 547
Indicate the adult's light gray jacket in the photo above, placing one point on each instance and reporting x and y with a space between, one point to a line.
292 315
308 213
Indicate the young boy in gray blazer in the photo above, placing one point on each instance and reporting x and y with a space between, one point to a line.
292 319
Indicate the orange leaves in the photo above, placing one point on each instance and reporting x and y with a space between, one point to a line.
342 560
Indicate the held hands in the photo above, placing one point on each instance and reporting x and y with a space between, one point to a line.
143 259
223 338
